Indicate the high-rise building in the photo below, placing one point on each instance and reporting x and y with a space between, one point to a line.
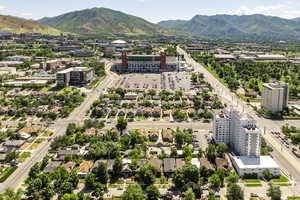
275 96
239 131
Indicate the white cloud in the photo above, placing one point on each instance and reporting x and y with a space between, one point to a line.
280 10
26 14
2 7
144 1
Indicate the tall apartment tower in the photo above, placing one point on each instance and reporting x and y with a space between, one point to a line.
239 131
275 96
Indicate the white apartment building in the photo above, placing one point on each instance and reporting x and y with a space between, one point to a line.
275 96
239 131
221 127
245 136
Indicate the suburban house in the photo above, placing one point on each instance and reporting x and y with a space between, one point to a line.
84 168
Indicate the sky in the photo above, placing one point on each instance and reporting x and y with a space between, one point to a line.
153 10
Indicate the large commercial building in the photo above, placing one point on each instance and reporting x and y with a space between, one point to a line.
255 165
275 96
147 63
75 76
239 131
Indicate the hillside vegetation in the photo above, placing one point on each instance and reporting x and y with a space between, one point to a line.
103 21
17 25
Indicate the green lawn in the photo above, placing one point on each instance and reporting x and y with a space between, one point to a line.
244 98
23 156
253 185
293 198
281 179
291 118
8 171
141 118
45 89
282 184
251 180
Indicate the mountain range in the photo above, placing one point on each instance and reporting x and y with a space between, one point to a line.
238 27
104 21
18 25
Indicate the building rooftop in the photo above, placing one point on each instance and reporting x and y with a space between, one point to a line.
74 69
224 56
275 85
255 162
271 56
119 42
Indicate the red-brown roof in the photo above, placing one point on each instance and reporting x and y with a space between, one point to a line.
85 166
221 163
205 163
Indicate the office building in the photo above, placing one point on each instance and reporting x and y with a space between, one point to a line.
147 63
275 96
239 131
75 76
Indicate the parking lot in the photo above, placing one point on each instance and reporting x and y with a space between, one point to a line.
163 81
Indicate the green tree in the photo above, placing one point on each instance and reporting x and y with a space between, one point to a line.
215 180
122 124
186 174
146 174
274 192
152 192
101 173
187 152
189 195
133 192
232 178
221 149
117 167
11 156
121 92
211 152
234 192
267 175
10 194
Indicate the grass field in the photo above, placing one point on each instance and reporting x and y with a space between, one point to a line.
251 180
254 185
23 156
283 184
281 179
244 98
293 198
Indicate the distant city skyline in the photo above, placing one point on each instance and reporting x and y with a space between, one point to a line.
153 10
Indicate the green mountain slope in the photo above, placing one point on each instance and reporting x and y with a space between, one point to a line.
17 25
238 27
103 21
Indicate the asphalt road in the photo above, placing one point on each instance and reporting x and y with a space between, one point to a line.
288 162
59 127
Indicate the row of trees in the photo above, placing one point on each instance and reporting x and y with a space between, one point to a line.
251 75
